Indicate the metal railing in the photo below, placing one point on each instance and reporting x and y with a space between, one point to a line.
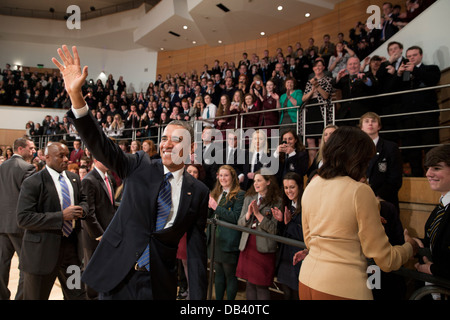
440 285
240 119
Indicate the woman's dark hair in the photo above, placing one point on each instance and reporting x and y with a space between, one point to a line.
298 180
347 153
299 147
273 194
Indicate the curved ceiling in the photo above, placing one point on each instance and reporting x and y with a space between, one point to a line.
155 24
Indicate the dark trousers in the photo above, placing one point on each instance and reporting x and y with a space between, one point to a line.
137 285
9 243
39 287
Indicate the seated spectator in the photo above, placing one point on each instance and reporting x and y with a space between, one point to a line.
327 49
150 148
259 156
318 160
77 153
209 111
135 146
115 130
435 245
414 75
290 226
338 60
249 106
270 101
257 258
223 109
353 84
292 155
225 203
384 172
318 91
388 22
196 110
291 98
83 171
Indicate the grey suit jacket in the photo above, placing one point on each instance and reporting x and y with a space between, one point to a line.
268 224
12 173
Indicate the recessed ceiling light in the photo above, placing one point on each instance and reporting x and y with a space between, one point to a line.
280 8
185 27
220 41
263 33
194 42
162 49
307 14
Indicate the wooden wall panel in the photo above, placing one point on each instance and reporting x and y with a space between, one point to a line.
8 136
342 19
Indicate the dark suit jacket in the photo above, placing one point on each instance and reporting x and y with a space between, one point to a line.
385 171
101 210
39 213
421 77
12 173
240 163
133 225
210 164
441 250
298 164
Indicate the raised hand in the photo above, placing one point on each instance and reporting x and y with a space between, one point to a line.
74 78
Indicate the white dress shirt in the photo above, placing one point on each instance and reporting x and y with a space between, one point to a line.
55 176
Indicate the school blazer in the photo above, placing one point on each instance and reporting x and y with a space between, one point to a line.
269 225
227 239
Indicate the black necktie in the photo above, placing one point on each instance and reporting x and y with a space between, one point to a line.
434 226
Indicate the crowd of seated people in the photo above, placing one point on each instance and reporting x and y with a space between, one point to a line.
265 96
258 84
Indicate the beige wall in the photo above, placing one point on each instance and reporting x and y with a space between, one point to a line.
344 17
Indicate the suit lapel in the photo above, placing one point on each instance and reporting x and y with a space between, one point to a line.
373 162
102 182
51 189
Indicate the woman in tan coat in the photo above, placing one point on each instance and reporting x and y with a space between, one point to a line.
342 225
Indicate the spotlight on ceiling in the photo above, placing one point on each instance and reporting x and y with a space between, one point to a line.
51 10
92 8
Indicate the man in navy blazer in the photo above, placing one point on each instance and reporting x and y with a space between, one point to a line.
113 270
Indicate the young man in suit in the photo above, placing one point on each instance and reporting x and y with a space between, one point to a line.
416 75
385 168
236 157
99 189
137 231
437 228
50 205
12 173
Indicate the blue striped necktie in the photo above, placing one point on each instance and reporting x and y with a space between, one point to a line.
67 225
164 205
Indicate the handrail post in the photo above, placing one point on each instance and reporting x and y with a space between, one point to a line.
211 259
